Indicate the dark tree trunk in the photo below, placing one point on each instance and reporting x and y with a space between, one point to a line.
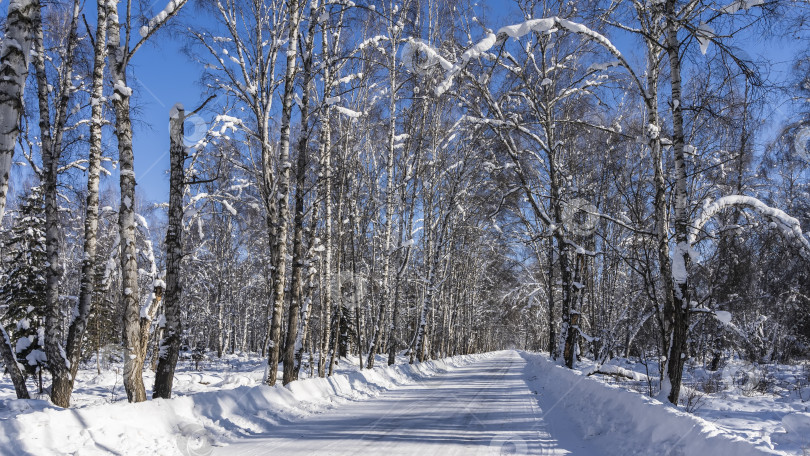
173 330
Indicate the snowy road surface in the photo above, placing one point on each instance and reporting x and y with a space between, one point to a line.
486 408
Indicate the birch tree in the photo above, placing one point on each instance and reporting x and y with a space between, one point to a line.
396 34
63 384
249 75
119 54
298 317
52 124
15 53
280 247
325 194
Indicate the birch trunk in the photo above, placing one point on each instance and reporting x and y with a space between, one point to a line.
354 216
565 267
575 315
294 343
130 292
280 275
326 189
14 54
552 336
51 148
133 357
677 312
304 328
148 314
61 390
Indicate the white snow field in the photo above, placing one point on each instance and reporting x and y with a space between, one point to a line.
505 402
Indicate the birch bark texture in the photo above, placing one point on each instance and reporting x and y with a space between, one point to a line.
280 271
14 64
14 61
90 258
297 317
52 123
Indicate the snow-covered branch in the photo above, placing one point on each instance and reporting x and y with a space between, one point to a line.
517 31
789 226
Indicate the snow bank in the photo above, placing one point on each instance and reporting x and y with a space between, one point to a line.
182 425
797 430
625 422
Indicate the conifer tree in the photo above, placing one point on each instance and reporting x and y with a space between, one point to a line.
23 290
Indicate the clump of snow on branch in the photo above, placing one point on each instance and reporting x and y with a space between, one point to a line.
348 112
602 66
418 56
679 253
175 111
120 88
160 17
704 35
723 316
738 5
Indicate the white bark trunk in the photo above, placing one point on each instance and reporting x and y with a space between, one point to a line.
51 148
14 55
280 274
299 309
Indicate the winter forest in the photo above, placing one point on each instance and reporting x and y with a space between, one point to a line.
392 183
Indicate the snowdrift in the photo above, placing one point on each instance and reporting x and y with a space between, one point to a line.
190 425
625 422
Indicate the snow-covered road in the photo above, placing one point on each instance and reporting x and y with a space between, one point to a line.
504 402
484 408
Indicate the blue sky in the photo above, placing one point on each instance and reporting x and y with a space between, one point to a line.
162 76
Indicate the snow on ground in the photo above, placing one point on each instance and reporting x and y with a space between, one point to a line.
210 407
625 422
94 388
508 403
766 405
479 404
